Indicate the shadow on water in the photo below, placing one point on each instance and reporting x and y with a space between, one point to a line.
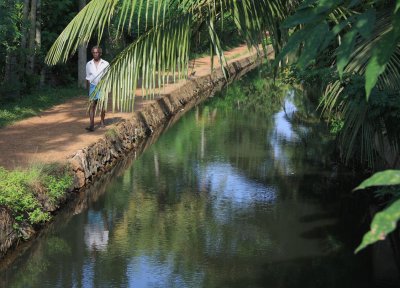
316 217
239 193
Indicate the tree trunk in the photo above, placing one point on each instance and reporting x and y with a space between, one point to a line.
23 55
12 89
38 40
24 31
32 37
82 56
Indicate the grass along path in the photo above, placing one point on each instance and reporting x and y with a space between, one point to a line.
35 103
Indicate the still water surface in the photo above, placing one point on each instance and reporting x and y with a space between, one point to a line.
238 193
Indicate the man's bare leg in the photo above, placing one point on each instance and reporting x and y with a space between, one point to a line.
92 110
102 116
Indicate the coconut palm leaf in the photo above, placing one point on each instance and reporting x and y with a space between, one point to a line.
162 48
93 17
372 132
141 60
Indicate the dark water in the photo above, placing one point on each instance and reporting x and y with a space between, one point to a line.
241 192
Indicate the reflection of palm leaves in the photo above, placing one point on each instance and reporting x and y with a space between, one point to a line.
162 49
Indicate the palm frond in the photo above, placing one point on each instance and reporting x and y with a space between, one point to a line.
162 48
141 60
93 17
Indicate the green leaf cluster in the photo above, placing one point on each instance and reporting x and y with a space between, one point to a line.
10 20
359 42
385 221
16 195
24 193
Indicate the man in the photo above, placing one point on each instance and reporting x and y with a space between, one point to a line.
95 69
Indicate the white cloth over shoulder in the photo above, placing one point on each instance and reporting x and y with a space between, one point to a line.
93 73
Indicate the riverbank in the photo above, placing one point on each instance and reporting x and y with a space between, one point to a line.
94 154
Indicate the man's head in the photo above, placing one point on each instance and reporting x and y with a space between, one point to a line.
96 52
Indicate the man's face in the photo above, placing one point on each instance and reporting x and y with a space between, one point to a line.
96 54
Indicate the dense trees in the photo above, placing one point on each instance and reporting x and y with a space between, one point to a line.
27 29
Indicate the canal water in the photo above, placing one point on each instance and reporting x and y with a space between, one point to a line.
240 192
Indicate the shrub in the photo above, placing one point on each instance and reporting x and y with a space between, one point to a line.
23 191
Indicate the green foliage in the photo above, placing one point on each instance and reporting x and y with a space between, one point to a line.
362 103
56 187
336 125
385 221
388 177
21 191
360 41
369 128
15 79
14 188
10 18
38 216
307 77
33 104
353 30
111 133
229 36
382 53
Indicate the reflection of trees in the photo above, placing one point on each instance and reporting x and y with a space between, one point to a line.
162 210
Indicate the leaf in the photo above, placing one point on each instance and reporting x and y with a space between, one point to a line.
313 43
302 17
345 50
294 41
381 55
384 178
354 3
365 23
311 14
306 4
377 64
383 223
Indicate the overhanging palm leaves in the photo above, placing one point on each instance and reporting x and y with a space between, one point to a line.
162 49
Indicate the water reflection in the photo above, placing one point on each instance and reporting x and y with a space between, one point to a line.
229 185
284 134
149 272
283 128
96 231
230 196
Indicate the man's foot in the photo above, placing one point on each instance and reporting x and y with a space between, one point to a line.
90 128
102 125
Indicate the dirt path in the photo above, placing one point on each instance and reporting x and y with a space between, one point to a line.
58 132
